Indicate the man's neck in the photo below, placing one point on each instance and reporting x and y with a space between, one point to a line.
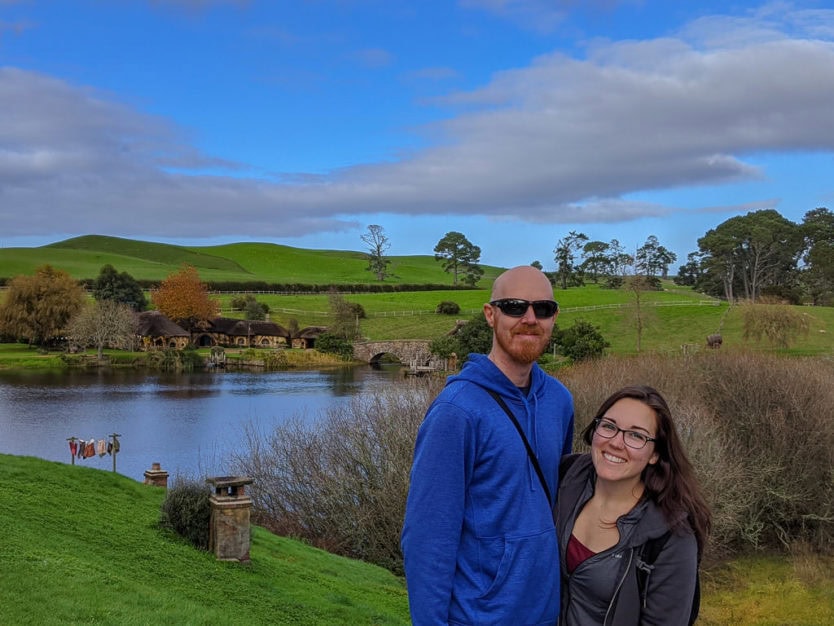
518 373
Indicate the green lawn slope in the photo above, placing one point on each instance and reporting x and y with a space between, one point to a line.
81 546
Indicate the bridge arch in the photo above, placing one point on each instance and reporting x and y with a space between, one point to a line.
408 352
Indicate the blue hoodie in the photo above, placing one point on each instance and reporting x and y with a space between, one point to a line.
478 541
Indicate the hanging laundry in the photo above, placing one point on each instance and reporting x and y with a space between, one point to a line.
90 449
116 445
73 444
109 447
101 448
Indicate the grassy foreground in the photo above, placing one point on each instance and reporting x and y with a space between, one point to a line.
81 546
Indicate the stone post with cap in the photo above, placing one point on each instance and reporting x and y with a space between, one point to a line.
230 512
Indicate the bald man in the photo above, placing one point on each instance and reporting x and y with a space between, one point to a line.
478 540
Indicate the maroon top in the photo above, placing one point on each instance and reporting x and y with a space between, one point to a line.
576 553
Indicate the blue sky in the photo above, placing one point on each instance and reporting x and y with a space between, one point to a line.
512 121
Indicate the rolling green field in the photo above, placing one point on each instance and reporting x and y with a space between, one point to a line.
83 257
674 319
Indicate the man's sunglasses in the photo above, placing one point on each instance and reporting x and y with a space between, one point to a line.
514 307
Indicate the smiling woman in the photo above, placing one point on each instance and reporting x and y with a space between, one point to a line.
634 490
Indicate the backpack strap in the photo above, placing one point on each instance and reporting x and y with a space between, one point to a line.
646 556
533 459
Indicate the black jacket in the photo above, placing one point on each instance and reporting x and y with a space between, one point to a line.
603 589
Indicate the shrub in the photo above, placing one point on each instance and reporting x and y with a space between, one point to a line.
447 307
358 310
171 360
186 511
475 336
759 430
614 282
270 359
443 347
332 344
581 341
779 325
255 310
783 293
341 482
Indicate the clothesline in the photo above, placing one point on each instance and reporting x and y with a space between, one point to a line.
87 448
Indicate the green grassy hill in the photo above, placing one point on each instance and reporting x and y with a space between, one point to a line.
80 546
673 318
83 257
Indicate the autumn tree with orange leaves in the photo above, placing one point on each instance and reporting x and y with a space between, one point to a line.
183 298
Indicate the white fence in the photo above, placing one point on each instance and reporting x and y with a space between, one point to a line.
471 312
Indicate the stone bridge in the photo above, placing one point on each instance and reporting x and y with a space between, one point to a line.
408 352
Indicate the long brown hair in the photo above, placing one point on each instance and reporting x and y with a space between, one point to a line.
671 482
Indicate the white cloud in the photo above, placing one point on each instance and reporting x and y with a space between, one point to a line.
564 140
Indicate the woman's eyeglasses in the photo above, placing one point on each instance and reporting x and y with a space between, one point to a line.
514 307
632 438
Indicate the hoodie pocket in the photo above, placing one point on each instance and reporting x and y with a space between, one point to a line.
528 564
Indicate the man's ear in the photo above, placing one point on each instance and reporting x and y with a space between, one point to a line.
489 314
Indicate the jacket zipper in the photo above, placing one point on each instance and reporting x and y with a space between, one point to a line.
619 586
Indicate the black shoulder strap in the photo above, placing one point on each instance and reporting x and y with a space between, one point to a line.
530 453
646 558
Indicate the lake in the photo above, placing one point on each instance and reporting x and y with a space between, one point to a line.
189 423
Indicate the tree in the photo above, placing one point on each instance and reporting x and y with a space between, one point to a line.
104 323
618 258
183 298
252 309
459 256
110 285
255 310
565 256
818 274
344 317
37 308
652 259
377 242
752 251
640 315
689 274
595 260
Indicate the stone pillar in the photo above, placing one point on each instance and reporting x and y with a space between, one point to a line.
230 511
156 476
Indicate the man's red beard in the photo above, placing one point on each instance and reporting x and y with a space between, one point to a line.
525 351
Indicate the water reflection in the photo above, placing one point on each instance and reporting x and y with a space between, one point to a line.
188 422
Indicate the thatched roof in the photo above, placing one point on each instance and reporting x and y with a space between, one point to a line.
155 324
245 328
311 332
